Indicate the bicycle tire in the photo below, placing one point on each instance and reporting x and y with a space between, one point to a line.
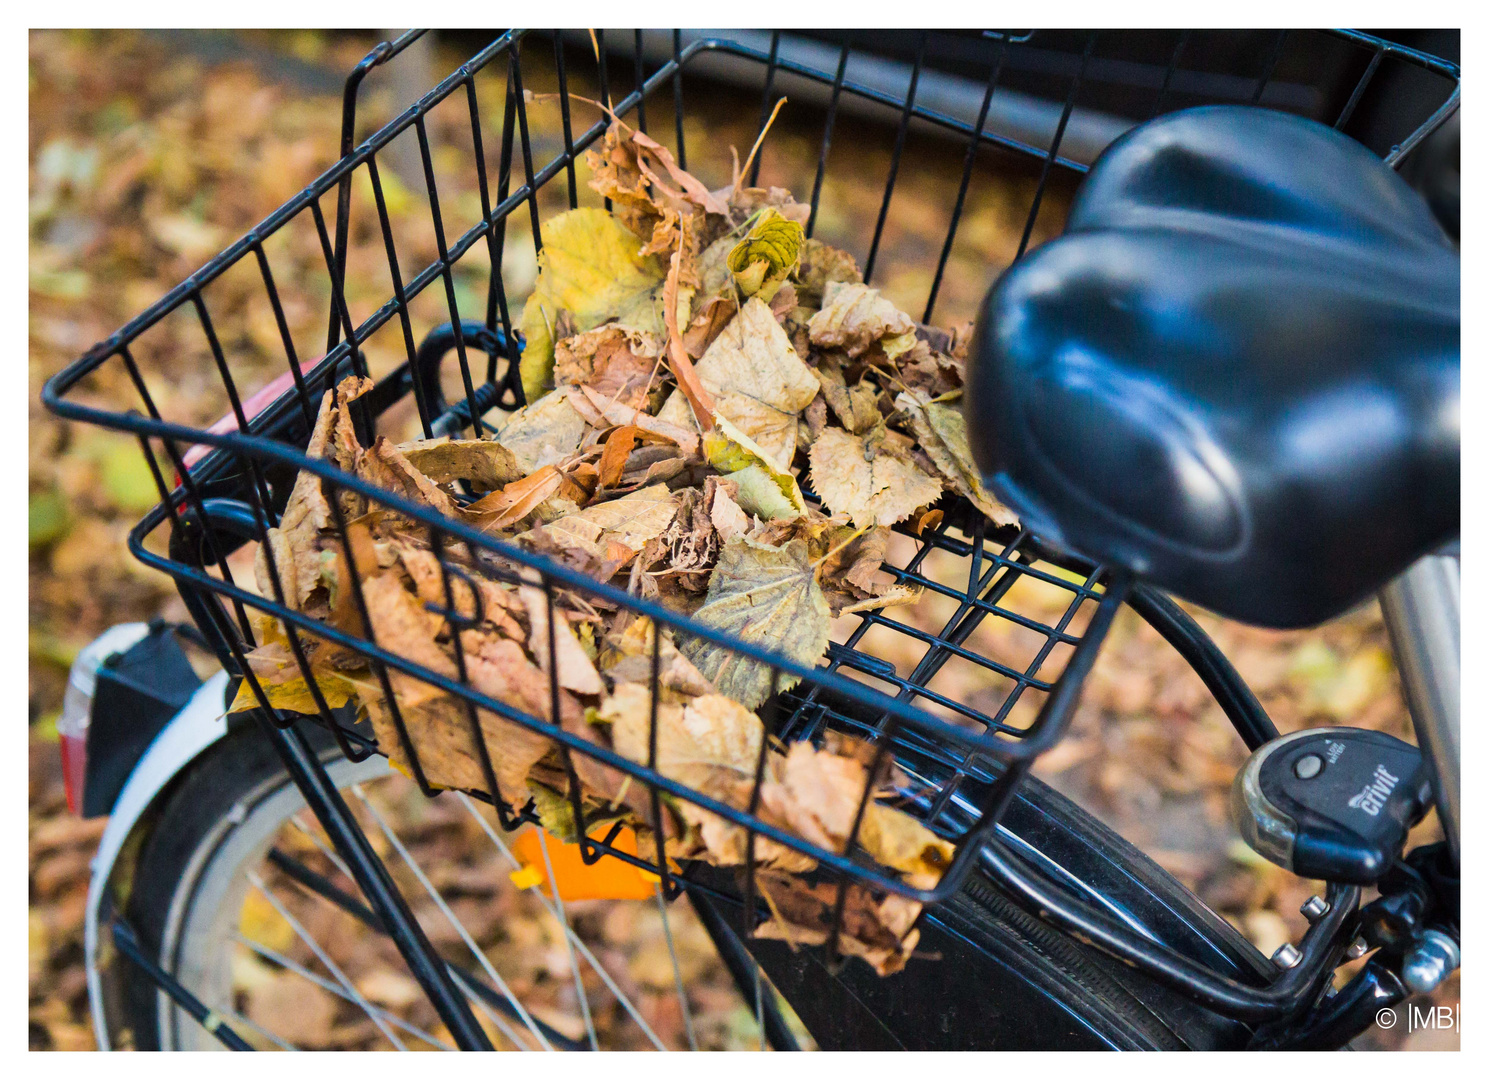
1019 983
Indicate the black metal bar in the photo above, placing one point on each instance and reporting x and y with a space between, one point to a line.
742 967
1049 158
128 943
640 84
894 160
827 126
372 878
324 887
961 196
381 54
1168 72
1287 995
765 103
682 148
1271 66
1176 627
1359 91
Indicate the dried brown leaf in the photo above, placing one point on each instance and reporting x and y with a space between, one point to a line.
854 317
768 596
942 433
869 478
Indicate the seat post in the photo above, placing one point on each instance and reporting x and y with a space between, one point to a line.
1421 609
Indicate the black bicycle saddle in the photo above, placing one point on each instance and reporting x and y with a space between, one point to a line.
1236 374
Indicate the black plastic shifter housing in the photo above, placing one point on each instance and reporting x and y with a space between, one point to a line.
1332 803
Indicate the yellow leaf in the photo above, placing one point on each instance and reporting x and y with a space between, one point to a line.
592 267
729 450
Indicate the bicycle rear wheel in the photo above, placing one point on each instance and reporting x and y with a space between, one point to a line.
217 901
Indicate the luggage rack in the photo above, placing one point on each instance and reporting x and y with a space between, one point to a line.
234 492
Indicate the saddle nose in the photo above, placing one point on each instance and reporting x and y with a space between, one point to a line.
1236 373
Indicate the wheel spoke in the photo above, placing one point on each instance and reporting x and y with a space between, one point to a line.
682 994
331 988
444 908
321 954
563 926
240 1019
575 938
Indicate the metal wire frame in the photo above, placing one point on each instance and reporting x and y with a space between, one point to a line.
186 506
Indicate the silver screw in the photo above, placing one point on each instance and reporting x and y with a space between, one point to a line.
1431 960
1314 908
1357 949
1287 955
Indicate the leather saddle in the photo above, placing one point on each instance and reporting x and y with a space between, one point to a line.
1236 373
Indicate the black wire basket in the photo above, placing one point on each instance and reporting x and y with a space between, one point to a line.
958 94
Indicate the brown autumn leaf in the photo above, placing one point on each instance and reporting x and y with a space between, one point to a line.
616 362
505 508
877 930
630 520
384 464
600 411
485 463
293 544
626 657
856 406
941 431
543 432
756 381
618 449
870 478
768 596
854 317
822 264
576 671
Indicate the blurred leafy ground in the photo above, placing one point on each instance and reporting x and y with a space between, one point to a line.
151 152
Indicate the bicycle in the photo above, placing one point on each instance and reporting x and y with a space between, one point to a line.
1041 905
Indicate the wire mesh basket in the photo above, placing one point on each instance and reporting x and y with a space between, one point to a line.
1021 621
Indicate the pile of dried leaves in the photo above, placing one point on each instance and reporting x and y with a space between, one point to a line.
689 356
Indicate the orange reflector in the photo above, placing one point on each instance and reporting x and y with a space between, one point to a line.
608 879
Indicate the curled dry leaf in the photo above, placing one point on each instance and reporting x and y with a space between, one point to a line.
764 595
856 406
626 657
767 255
576 671
854 317
878 930
942 433
616 413
294 543
870 478
505 508
820 266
